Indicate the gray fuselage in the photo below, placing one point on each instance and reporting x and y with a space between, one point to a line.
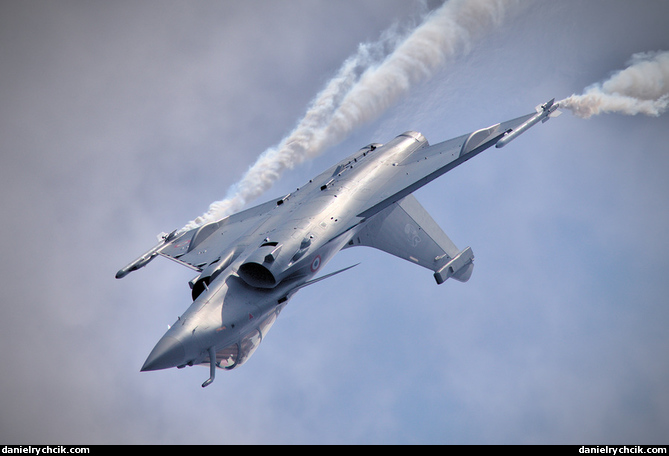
267 265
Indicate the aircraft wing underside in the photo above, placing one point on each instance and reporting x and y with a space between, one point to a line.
428 163
393 218
216 242
206 244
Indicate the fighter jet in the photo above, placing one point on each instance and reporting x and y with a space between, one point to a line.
250 264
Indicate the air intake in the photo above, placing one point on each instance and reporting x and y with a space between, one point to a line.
257 275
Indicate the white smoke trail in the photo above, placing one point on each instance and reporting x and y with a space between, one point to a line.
367 84
641 88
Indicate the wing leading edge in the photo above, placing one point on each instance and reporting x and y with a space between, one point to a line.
427 163
394 220
207 244
399 225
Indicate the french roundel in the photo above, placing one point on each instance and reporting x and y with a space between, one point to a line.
316 263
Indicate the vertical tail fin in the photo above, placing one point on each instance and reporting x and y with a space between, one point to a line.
407 231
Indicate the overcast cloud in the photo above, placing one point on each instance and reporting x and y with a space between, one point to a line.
119 120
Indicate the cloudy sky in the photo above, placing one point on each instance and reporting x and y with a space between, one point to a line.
119 120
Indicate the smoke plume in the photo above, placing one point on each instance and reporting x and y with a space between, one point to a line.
641 88
366 85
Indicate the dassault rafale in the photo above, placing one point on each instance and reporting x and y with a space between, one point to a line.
250 264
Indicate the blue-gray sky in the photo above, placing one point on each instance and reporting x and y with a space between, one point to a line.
121 120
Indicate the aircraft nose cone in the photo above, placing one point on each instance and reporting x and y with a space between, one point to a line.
168 352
